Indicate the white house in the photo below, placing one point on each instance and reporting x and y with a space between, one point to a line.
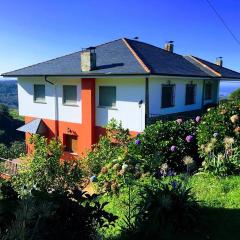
74 96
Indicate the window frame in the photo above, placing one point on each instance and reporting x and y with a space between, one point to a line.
34 93
172 97
206 97
72 150
194 93
64 97
99 95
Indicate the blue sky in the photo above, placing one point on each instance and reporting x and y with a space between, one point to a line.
34 31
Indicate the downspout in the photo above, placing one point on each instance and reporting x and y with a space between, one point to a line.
146 100
55 107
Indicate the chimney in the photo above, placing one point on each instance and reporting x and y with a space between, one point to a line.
169 46
88 59
219 61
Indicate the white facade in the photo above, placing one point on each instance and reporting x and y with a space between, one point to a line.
47 110
129 92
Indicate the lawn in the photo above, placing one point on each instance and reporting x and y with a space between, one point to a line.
219 199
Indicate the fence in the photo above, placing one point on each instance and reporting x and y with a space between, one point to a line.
9 167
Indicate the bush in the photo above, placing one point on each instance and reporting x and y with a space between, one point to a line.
44 170
165 207
218 138
166 144
235 95
15 150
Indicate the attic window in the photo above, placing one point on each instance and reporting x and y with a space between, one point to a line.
39 93
168 98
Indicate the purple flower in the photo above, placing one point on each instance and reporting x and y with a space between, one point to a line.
137 141
179 120
174 184
170 173
198 119
173 148
189 138
93 179
215 134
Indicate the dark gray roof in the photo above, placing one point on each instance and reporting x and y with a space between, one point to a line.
36 126
117 57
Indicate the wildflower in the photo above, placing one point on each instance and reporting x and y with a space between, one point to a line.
198 119
223 111
220 157
209 109
237 130
188 160
215 135
189 138
107 186
117 166
124 167
164 167
104 170
137 141
173 148
179 120
234 118
114 186
174 184
171 173
93 179
208 148
228 141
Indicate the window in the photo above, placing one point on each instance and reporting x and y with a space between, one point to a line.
190 94
107 96
39 93
208 91
168 95
70 95
70 143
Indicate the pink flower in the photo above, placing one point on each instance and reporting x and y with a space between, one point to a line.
173 148
189 138
179 120
198 119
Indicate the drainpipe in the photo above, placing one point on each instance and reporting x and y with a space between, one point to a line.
55 107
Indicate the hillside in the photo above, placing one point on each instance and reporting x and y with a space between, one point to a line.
8 93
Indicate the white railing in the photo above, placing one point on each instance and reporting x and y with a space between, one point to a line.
9 166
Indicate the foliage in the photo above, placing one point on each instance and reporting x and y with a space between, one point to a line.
8 126
44 170
39 216
167 143
15 150
219 137
235 95
8 93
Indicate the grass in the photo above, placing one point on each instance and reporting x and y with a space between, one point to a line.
219 199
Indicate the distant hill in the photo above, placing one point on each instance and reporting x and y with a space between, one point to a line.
8 93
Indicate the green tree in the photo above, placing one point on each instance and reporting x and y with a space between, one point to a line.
235 95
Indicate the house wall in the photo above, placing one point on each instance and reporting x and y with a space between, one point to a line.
128 94
155 93
27 106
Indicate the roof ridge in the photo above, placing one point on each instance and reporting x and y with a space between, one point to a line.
140 61
204 65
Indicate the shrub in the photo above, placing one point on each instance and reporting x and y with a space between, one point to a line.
15 150
167 143
44 170
166 206
235 95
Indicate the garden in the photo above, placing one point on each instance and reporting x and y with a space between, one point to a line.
176 180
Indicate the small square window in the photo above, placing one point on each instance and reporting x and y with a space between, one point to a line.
39 93
168 97
70 95
70 143
107 96
190 94
208 91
